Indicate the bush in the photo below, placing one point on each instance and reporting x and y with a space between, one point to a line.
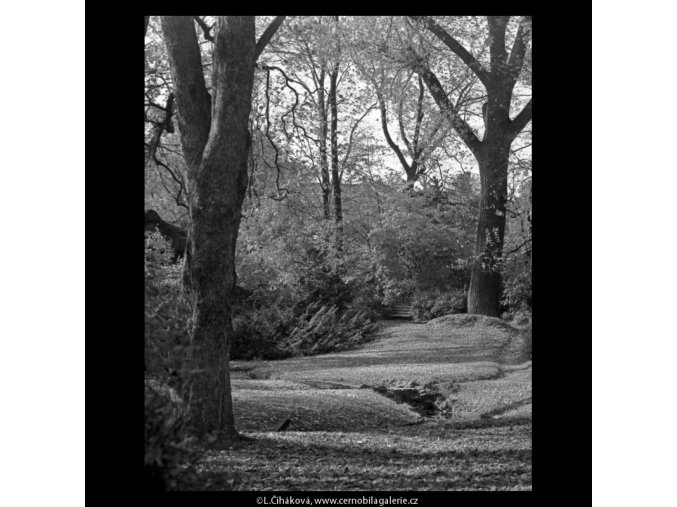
433 304
259 330
516 292
320 308
166 312
167 451
322 328
279 331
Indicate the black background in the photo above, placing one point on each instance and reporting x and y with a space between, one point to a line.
562 269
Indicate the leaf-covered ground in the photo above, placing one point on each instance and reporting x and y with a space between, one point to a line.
345 436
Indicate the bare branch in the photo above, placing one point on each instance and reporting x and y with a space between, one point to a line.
165 125
455 46
526 242
519 48
267 35
352 132
403 134
288 80
464 130
419 113
520 120
272 143
389 140
177 178
206 30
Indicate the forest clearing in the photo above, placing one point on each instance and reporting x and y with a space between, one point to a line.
345 435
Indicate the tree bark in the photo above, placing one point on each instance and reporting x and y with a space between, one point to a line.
485 277
324 165
335 176
215 141
492 152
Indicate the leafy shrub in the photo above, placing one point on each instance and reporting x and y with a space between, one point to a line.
166 312
281 319
167 452
322 328
516 295
433 304
159 251
276 331
259 330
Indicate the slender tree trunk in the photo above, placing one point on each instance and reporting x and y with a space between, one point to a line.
324 166
529 216
335 176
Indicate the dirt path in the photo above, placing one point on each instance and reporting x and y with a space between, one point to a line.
345 434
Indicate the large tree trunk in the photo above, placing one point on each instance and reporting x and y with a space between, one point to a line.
493 150
216 159
485 277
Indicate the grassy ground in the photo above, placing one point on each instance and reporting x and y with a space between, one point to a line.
345 436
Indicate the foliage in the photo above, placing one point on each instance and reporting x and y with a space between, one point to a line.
322 328
158 253
298 292
289 264
424 240
166 312
167 450
320 315
432 304
395 243
516 296
259 330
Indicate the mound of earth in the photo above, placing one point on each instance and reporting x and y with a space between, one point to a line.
517 349
513 343
460 320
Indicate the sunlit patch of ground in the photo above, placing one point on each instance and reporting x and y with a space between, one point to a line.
503 396
318 409
345 436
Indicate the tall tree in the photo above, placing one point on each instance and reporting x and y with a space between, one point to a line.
305 58
310 58
493 151
215 141
324 166
335 175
